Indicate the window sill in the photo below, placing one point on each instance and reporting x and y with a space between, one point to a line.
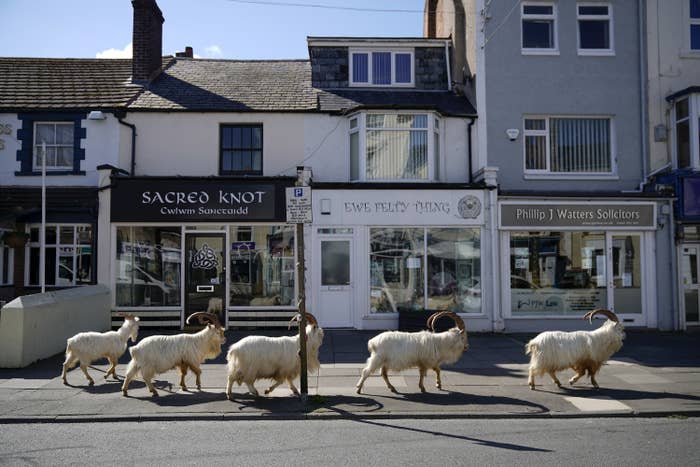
687 53
570 177
539 52
49 173
596 53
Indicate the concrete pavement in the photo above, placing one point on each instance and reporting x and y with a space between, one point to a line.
654 374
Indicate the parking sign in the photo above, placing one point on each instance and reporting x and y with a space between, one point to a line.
299 205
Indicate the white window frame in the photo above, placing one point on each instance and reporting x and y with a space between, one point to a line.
611 30
35 143
361 128
554 50
694 128
58 245
547 173
687 51
6 253
369 52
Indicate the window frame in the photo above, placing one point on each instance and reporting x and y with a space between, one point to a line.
547 173
689 22
35 144
693 119
369 52
361 129
586 17
57 246
223 172
554 17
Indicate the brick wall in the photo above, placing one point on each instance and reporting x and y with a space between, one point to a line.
147 40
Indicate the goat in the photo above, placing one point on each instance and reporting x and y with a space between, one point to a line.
397 350
86 347
582 351
158 354
277 358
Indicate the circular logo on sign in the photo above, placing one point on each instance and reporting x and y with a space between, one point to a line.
469 207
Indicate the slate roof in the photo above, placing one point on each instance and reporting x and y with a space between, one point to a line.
231 85
65 83
446 102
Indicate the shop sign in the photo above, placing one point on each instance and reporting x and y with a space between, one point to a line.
569 215
556 301
192 201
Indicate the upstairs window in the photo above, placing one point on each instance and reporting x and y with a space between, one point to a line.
694 6
241 149
395 146
682 109
595 29
558 145
686 132
381 68
539 33
58 139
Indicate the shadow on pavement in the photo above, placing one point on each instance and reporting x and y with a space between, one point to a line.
617 394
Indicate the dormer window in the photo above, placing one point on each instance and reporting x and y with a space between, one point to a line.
381 67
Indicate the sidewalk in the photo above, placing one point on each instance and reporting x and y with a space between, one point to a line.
654 374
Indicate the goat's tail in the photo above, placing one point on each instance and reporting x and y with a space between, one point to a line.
531 348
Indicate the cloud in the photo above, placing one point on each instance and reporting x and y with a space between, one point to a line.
126 52
213 51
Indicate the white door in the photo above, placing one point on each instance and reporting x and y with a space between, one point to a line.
625 277
334 266
690 260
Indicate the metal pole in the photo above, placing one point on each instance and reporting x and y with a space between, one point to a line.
42 236
303 377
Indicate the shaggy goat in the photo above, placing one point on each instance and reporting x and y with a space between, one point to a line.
158 354
277 358
397 351
86 347
582 351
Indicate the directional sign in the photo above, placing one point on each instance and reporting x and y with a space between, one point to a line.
299 205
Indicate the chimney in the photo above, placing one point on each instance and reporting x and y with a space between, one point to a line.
189 53
147 40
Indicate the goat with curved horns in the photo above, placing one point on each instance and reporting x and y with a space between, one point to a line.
582 351
397 350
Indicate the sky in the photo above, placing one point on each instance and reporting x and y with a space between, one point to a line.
226 29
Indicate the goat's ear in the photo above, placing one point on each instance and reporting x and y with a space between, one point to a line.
462 331
136 318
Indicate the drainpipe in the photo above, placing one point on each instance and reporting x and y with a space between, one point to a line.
642 87
133 144
447 60
472 120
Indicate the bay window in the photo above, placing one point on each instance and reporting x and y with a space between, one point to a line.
686 134
394 147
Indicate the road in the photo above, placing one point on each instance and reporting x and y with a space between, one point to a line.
543 442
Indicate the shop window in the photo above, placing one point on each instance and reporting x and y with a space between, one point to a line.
394 147
595 29
241 149
419 268
262 266
539 28
69 255
556 145
381 68
148 266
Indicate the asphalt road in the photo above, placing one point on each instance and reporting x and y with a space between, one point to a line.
613 441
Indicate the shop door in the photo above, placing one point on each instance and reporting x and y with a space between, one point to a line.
690 260
335 282
625 277
205 274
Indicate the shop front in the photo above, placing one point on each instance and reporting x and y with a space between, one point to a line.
377 253
184 245
561 259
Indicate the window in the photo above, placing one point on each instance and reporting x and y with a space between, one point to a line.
68 255
394 146
594 29
57 138
539 33
381 68
694 25
6 262
568 145
241 149
682 109
433 268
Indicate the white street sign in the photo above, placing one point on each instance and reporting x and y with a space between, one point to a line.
299 205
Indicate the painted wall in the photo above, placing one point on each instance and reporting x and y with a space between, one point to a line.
562 84
671 68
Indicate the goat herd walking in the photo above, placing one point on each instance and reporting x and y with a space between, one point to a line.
277 358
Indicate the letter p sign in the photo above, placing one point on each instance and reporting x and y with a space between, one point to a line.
298 192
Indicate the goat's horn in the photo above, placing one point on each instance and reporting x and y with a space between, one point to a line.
609 314
203 317
296 317
431 319
458 321
126 315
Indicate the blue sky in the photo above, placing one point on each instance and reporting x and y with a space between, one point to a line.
232 29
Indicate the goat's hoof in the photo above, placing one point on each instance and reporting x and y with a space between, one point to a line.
229 397
393 389
65 381
91 383
532 387
358 390
154 394
125 394
267 391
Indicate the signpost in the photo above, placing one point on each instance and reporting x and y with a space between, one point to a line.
299 213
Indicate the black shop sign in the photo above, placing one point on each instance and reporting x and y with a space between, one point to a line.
178 200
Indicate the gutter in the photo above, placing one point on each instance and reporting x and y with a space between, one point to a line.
641 14
133 143
472 120
447 61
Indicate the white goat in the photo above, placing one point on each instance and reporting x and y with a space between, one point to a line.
582 351
86 347
158 354
397 351
277 358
